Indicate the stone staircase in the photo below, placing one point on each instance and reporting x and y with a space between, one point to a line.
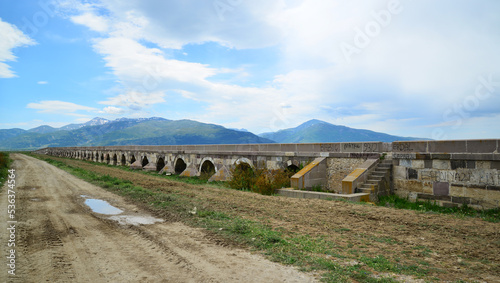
373 182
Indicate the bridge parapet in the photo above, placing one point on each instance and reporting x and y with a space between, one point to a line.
351 147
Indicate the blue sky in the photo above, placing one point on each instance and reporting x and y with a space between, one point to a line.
412 68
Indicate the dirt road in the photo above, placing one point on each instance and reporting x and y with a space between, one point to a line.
60 239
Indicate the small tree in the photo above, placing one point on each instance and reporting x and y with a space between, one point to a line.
260 180
243 177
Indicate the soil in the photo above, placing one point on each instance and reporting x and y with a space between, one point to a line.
60 239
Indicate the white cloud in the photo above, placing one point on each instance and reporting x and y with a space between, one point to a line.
94 22
173 24
42 82
133 62
59 107
135 100
11 37
113 110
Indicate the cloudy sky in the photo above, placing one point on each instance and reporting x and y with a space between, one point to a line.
413 68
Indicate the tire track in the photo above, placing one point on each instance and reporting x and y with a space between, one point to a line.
64 241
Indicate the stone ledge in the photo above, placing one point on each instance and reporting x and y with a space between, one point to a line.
358 197
447 156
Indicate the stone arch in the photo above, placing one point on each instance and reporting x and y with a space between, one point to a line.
179 165
244 160
207 167
160 164
108 158
115 159
292 168
132 159
102 157
123 160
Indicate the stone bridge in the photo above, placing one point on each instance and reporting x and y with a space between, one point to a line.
449 172
217 160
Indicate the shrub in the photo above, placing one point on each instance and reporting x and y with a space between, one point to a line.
243 177
260 180
4 160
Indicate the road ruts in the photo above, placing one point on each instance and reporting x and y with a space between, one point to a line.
59 239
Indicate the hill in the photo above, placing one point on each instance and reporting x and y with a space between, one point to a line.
124 131
314 131
6 134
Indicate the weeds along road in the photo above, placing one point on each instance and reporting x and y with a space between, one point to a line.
59 239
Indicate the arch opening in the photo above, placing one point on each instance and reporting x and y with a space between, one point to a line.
132 159
292 169
115 159
123 160
145 161
179 166
102 157
160 164
207 169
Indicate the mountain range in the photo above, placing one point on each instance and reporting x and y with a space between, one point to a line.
160 131
314 131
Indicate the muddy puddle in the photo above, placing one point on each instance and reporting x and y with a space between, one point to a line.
102 207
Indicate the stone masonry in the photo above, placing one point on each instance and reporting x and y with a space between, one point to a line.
451 173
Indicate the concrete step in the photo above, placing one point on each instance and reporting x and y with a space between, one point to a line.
366 190
356 197
368 187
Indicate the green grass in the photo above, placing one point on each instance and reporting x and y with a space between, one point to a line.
5 162
491 215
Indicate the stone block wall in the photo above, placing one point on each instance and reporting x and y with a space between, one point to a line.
338 169
451 173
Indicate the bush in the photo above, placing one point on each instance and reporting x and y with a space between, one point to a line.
4 160
261 180
243 177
